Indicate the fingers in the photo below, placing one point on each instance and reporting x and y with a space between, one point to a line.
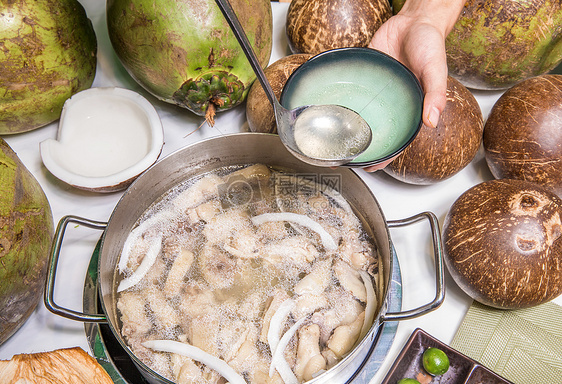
433 79
433 105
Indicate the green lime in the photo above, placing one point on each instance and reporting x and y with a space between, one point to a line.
408 381
435 361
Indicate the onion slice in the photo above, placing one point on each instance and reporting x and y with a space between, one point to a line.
276 322
144 266
137 232
278 361
199 355
370 305
303 220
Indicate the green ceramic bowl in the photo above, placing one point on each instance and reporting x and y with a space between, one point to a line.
378 87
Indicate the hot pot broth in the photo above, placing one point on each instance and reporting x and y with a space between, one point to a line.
267 271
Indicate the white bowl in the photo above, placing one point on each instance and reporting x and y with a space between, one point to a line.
106 138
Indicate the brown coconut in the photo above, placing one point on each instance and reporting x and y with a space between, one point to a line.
315 26
259 111
502 243
523 133
441 152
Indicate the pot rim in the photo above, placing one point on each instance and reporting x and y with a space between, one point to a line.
374 219
382 305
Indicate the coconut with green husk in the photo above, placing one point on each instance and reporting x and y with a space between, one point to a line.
26 232
47 54
496 43
183 51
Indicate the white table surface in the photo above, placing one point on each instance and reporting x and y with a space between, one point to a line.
45 331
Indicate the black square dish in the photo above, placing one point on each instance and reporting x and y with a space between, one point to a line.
462 369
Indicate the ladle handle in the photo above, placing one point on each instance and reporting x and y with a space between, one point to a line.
439 271
238 31
52 270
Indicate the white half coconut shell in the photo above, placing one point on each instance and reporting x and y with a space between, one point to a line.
107 137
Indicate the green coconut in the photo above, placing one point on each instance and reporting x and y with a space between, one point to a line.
47 54
496 43
183 51
26 232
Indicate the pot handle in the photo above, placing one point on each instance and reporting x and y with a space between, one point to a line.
439 272
48 297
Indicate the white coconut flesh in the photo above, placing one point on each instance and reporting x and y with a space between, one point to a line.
106 137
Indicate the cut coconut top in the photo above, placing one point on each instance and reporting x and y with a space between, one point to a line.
106 138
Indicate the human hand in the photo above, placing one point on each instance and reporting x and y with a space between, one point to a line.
416 38
420 46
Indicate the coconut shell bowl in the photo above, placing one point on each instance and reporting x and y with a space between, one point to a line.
381 89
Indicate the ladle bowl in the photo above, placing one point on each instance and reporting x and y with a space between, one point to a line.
320 138
319 134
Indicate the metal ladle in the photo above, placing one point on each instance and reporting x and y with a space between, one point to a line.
322 135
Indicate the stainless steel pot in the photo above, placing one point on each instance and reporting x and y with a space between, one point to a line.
205 156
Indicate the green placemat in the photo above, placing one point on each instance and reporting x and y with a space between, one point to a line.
524 345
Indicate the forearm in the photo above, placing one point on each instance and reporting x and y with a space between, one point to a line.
442 14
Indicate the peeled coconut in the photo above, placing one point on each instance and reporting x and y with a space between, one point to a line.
26 232
496 43
523 133
259 110
502 242
316 26
47 54
183 51
441 152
